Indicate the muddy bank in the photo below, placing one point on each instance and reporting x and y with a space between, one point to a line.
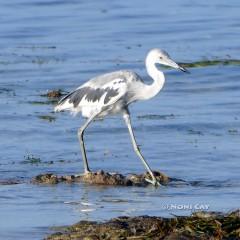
102 178
200 225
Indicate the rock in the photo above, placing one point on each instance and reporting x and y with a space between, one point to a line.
102 178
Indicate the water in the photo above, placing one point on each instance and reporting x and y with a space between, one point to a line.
189 131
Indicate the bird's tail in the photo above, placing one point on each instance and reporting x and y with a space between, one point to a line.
63 104
58 108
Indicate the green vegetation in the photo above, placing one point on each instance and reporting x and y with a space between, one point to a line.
30 159
157 117
47 118
206 63
43 102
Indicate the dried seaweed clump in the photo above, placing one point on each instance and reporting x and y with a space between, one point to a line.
199 226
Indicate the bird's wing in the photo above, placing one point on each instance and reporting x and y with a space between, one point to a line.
94 95
115 90
106 78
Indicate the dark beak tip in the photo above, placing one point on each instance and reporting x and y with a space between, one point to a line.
183 69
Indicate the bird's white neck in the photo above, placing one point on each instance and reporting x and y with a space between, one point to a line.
157 76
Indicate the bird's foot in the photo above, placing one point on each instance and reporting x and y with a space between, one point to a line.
154 182
82 174
87 172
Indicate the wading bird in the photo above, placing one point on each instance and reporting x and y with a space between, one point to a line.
112 93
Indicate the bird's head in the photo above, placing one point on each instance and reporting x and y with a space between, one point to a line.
162 57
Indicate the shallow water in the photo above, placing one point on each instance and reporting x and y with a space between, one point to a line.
189 131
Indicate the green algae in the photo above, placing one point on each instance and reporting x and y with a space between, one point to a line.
157 117
30 159
207 63
48 102
47 118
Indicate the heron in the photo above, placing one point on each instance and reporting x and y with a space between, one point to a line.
112 93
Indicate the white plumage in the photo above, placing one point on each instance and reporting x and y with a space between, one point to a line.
112 93
123 85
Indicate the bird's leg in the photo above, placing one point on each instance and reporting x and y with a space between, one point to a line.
82 145
83 150
127 119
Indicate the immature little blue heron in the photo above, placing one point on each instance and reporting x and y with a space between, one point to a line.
112 93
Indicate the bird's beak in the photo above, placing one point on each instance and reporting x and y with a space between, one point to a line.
177 66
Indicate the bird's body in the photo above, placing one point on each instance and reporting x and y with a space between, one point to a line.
112 93
108 94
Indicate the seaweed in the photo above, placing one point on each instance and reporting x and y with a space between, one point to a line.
199 225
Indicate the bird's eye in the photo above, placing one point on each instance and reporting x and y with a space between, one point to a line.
161 58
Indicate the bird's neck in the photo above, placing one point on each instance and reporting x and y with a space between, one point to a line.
158 79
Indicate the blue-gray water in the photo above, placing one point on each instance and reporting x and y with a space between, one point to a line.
189 131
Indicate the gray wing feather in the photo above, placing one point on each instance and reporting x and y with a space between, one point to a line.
103 79
95 88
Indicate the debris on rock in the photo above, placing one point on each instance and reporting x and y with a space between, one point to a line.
48 178
102 178
216 226
54 94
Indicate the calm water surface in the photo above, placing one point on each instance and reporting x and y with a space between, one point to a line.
189 131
